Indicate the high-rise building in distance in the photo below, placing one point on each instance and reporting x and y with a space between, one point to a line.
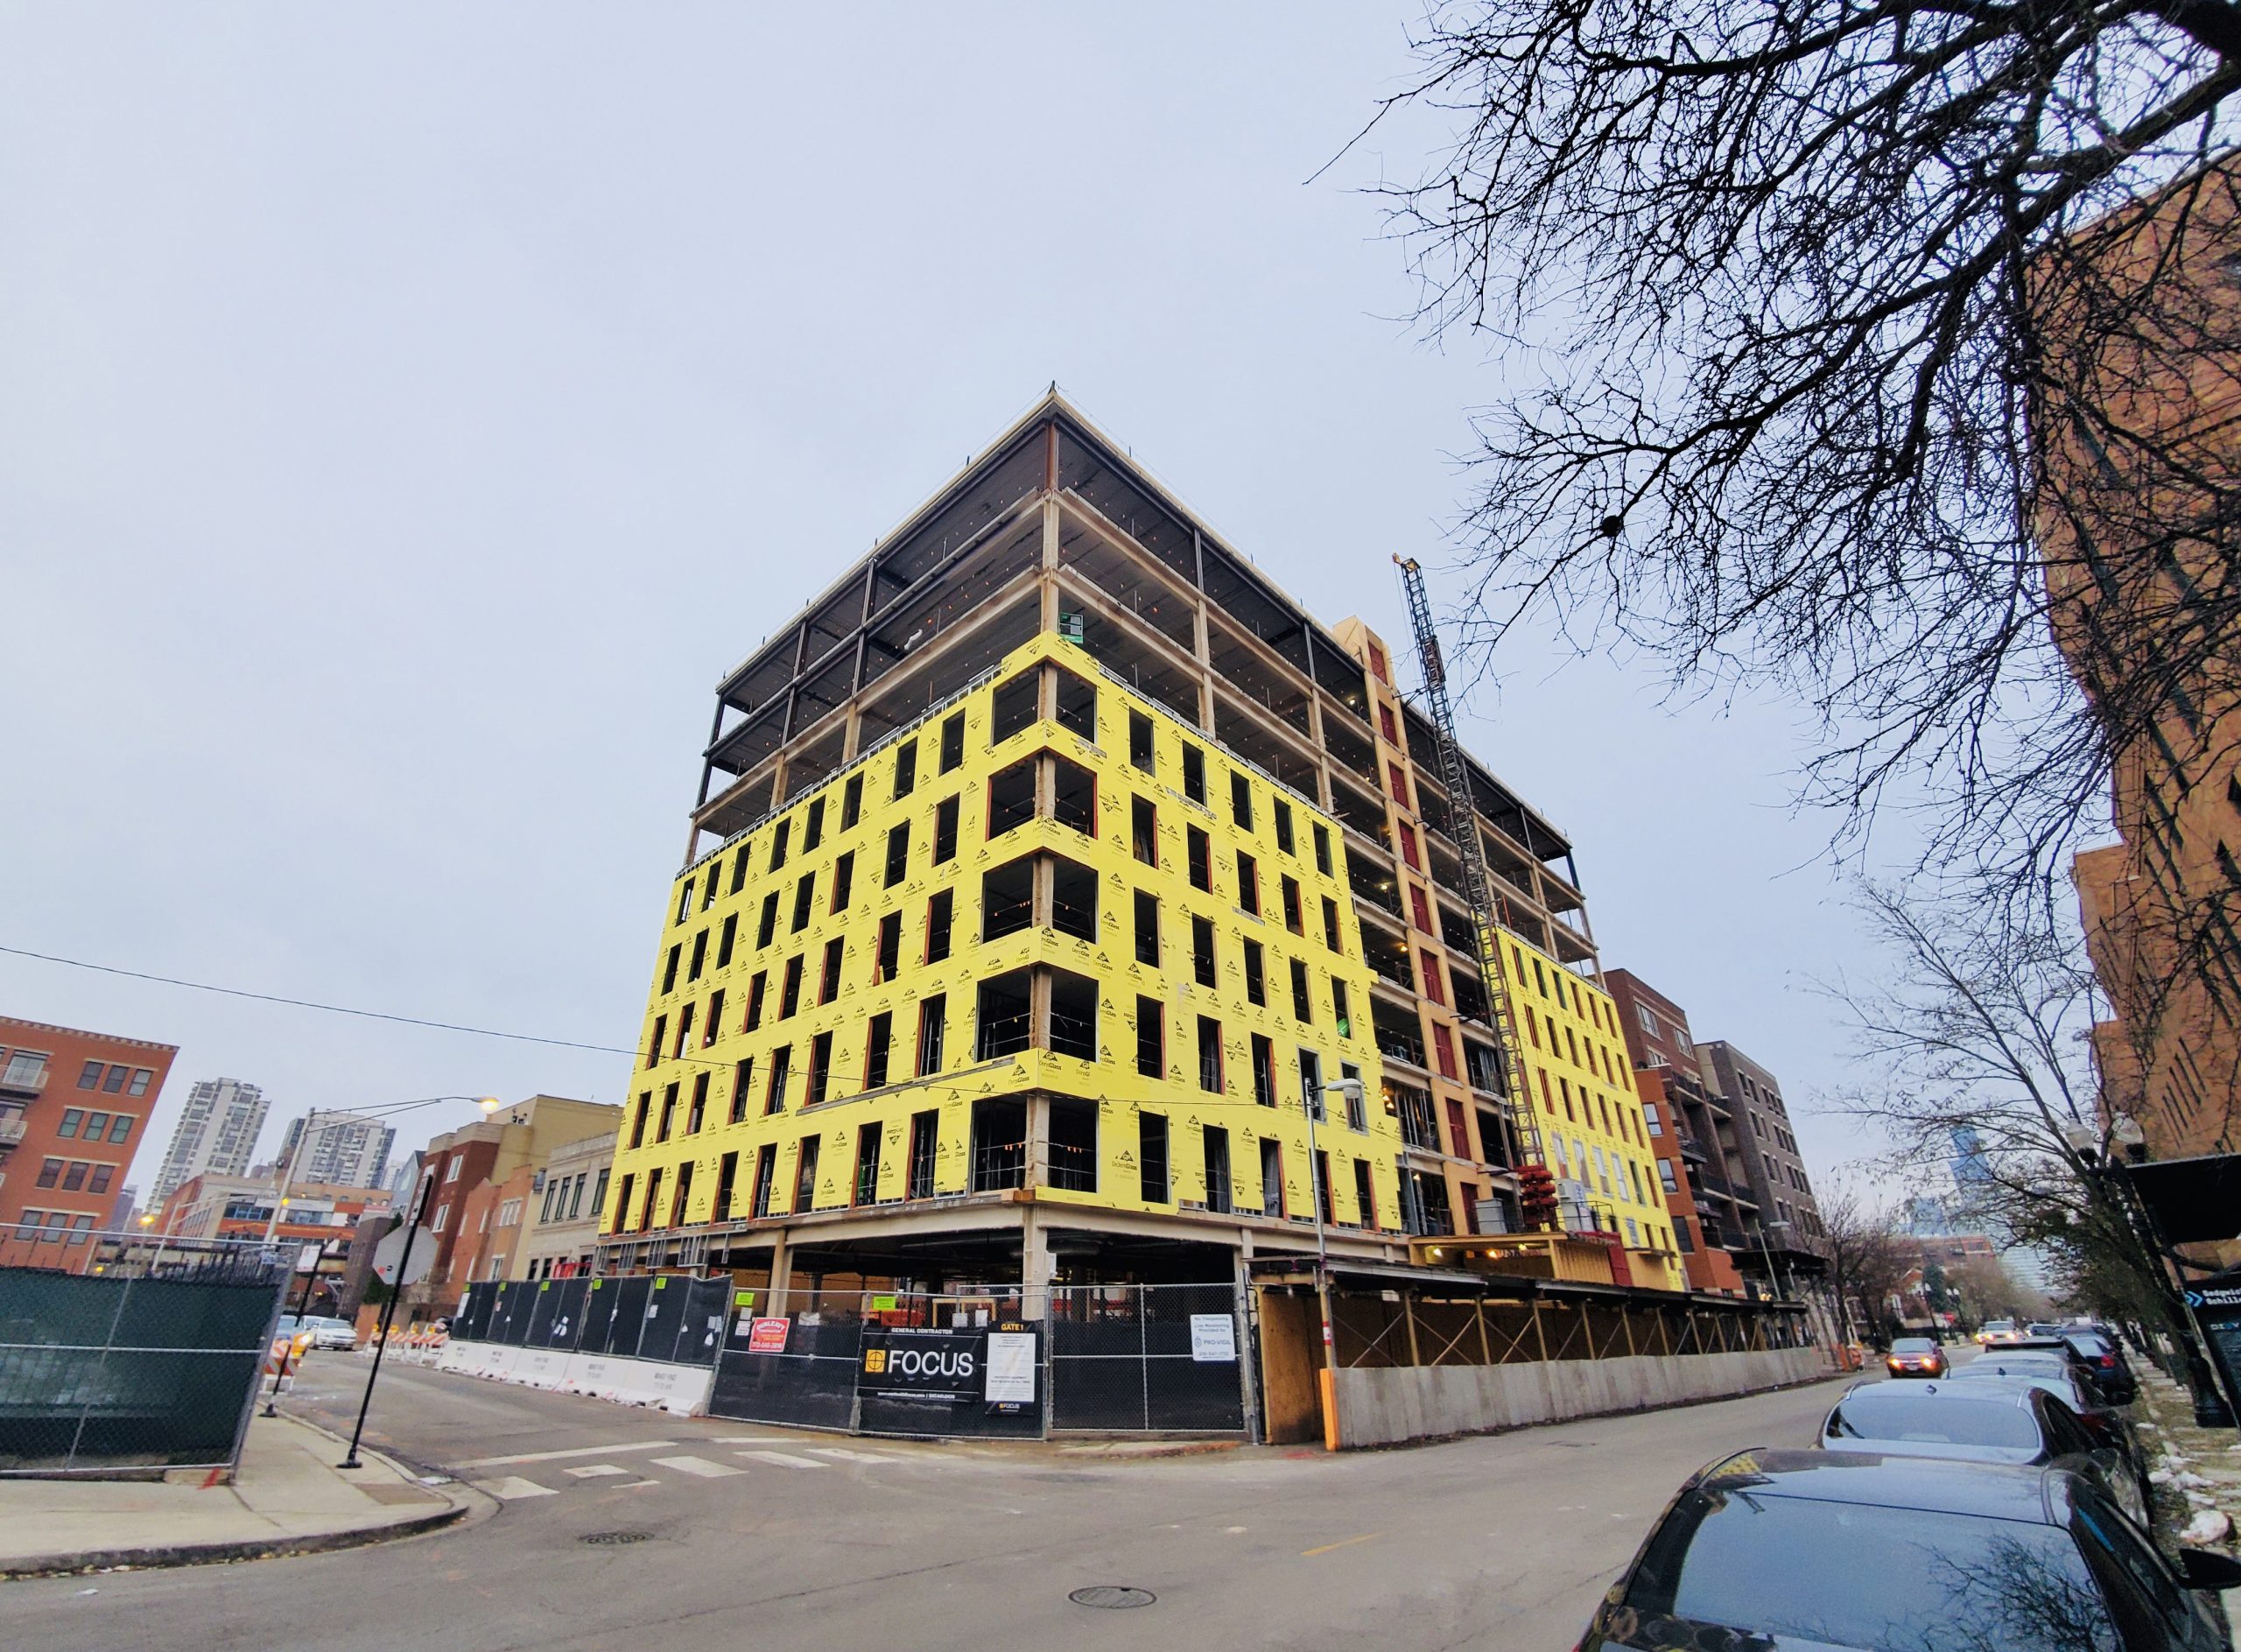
217 1134
342 1149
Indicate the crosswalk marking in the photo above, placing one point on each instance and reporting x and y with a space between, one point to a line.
594 1471
699 1466
512 1487
847 1456
751 1439
785 1459
575 1451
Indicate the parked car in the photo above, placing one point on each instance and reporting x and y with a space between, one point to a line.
2015 1424
2090 1351
1813 1550
1997 1331
2103 1358
326 1331
2068 1383
2040 1328
1916 1357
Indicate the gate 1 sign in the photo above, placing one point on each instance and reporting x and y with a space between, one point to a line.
1214 1339
1011 1369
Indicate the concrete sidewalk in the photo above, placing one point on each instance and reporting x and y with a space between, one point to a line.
288 1498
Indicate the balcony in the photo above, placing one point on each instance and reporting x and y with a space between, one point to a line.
24 1078
11 1129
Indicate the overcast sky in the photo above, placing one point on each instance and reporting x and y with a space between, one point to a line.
407 415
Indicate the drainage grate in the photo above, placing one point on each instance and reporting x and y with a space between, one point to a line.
1112 1596
604 1539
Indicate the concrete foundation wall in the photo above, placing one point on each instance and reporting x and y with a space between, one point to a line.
1387 1405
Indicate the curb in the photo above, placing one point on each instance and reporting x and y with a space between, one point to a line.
1146 1453
459 1504
157 1557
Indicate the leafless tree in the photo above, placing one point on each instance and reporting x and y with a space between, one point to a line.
1830 325
1868 1262
1977 1027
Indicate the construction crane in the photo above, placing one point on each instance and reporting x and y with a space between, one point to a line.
1534 1184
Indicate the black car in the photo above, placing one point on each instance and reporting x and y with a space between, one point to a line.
2068 1383
1806 1552
2092 1352
2105 1362
2015 1424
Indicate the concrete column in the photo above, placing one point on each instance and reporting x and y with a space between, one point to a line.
1038 1121
782 1270
1036 1264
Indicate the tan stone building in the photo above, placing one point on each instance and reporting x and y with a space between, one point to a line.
560 1221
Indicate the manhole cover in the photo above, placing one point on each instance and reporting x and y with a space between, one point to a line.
1112 1596
603 1539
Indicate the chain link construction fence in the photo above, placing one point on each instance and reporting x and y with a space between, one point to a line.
1163 1358
999 1361
134 1353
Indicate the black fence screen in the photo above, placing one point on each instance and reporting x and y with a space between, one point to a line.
672 1317
991 1362
1157 1357
808 1380
153 1362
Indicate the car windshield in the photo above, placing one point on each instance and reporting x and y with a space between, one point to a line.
1849 1575
2000 1325
1912 1345
2090 1342
1934 1419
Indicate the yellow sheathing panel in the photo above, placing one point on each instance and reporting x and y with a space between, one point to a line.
745 881
1582 1089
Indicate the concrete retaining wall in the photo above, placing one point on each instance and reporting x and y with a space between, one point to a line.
682 1390
1386 1405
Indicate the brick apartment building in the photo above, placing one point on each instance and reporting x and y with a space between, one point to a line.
1700 1161
2135 593
327 1214
73 1108
474 1171
1789 1215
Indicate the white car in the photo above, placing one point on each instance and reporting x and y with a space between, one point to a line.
327 1331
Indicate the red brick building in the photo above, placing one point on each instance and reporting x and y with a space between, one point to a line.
467 1168
240 1207
1690 1126
73 1106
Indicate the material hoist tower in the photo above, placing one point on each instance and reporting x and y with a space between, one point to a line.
1483 922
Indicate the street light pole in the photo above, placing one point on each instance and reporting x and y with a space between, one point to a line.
1349 1091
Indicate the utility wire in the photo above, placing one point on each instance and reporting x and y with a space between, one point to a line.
306 1003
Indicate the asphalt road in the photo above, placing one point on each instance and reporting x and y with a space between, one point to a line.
717 1534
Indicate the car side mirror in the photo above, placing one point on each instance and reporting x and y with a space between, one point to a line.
2201 1569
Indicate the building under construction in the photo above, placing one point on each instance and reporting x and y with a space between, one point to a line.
1050 875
